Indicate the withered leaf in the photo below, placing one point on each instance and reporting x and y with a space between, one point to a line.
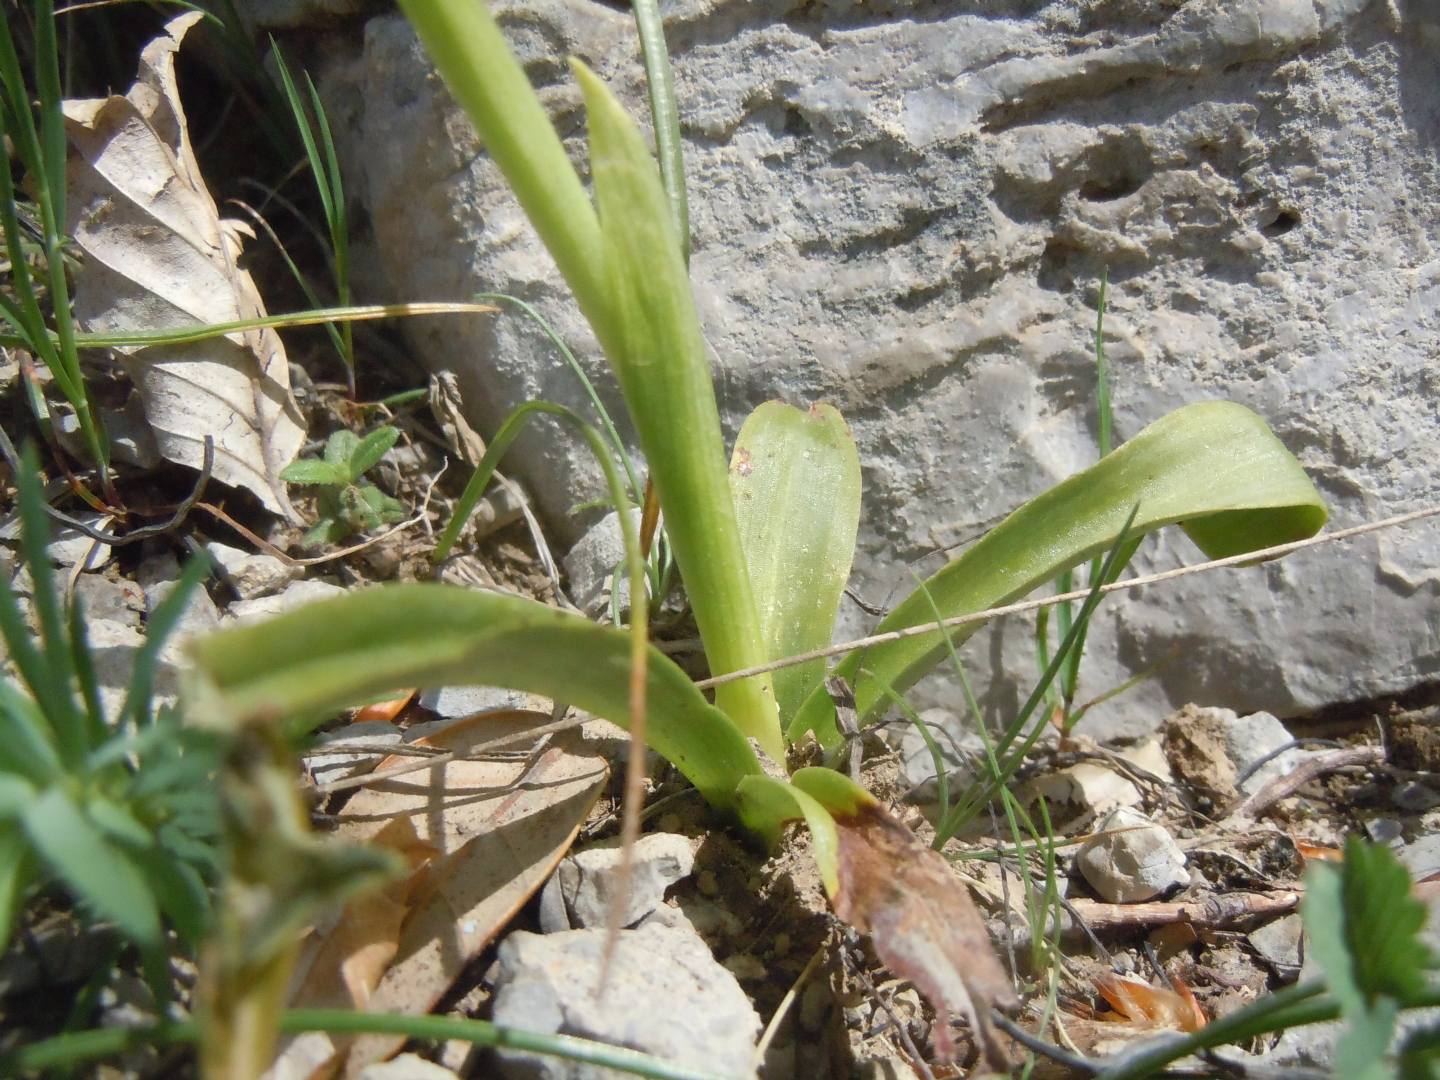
1137 1002
159 257
924 925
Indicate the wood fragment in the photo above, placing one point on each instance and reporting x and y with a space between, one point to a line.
1209 912
1253 806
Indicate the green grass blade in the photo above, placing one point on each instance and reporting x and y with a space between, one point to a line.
335 652
52 119
95 871
17 871
664 115
1213 466
25 745
54 693
795 478
136 710
96 729
665 375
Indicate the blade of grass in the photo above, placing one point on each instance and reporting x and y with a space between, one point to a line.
664 115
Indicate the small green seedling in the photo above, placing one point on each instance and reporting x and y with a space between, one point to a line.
348 504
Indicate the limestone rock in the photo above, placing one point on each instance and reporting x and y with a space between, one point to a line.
666 995
1135 860
587 883
905 210
253 574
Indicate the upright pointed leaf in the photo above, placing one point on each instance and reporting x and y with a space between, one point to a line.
335 652
1213 467
664 372
795 477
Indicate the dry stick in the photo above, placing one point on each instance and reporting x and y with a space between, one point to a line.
1079 594
786 1002
1211 912
452 755
1253 806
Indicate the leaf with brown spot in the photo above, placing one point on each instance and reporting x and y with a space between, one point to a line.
924 925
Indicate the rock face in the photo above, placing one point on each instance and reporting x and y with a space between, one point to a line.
904 208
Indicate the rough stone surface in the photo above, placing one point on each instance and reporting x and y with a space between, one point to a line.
587 883
253 574
666 995
1249 738
590 566
450 702
297 594
905 207
960 750
1136 860
1092 789
1279 944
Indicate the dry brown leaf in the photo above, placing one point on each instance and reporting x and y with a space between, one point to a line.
158 256
924 925
496 830
1137 1002
383 710
1310 851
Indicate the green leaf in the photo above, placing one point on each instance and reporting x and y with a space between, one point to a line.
334 652
1213 467
660 360
766 804
327 530
371 449
17 871
96 871
25 745
315 471
795 478
15 793
1420 1055
1363 928
340 449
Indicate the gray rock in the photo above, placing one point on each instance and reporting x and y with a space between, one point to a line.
960 749
1249 738
451 702
120 601
587 883
71 546
1136 860
1421 856
665 995
904 209
591 566
296 595
158 576
372 735
1279 944
253 574
114 647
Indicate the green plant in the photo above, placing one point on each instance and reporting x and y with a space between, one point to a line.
118 811
41 149
347 503
325 168
764 551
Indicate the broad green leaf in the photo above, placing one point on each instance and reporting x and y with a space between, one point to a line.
795 478
334 652
660 361
766 804
1213 467
94 870
315 471
1420 1054
371 449
15 793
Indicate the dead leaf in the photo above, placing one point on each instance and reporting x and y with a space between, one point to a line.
158 256
1309 851
483 835
1137 1002
383 710
924 925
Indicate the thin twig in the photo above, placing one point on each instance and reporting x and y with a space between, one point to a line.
1079 594
786 1002
453 755
290 560
1037 1045
1287 784
1212 911
1284 748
